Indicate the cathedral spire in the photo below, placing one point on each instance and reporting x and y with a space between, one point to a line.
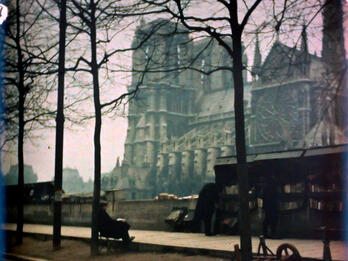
304 40
277 37
142 21
304 57
118 162
257 58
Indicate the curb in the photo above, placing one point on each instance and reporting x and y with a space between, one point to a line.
146 247
13 256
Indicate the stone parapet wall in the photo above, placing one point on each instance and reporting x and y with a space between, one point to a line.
141 214
148 214
151 214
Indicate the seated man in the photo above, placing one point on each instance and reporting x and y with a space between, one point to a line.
109 227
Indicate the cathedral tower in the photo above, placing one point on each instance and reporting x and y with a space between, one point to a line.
333 51
161 104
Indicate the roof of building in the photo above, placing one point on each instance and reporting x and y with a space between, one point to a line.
221 101
282 60
162 26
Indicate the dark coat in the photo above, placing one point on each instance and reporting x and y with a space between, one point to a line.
208 197
271 208
270 197
110 227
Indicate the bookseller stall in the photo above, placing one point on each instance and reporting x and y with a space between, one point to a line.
309 182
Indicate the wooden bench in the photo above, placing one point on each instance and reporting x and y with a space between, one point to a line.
107 241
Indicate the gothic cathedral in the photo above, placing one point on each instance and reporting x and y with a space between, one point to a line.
181 117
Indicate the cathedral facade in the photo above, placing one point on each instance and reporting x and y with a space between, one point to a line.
181 117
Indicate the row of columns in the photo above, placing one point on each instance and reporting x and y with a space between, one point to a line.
199 162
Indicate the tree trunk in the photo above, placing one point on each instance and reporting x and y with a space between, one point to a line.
20 198
242 172
97 129
58 172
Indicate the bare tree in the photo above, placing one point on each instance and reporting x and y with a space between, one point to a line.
95 19
58 175
226 24
98 21
31 53
24 92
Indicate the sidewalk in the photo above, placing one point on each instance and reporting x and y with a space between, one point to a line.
182 242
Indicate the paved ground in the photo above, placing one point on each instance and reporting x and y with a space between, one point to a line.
307 248
40 249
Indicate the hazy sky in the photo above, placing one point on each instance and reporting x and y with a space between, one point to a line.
78 149
78 144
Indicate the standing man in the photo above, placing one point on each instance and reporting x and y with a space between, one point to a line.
205 208
271 207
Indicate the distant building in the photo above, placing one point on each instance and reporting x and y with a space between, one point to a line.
181 120
11 178
73 182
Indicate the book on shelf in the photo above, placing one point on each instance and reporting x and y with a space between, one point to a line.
329 188
294 188
290 205
325 205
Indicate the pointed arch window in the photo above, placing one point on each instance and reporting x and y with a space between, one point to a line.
203 70
178 53
147 52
